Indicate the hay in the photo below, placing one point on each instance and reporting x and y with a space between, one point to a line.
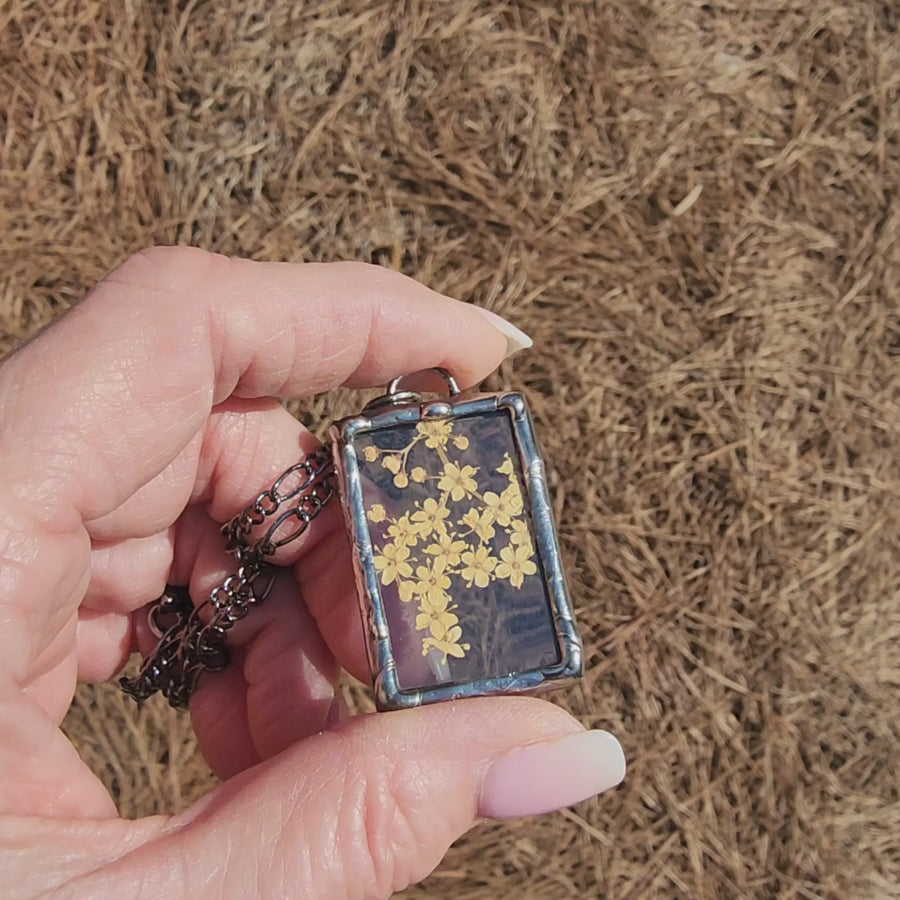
692 208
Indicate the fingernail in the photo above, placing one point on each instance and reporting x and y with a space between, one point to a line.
337 712
551 775
516 339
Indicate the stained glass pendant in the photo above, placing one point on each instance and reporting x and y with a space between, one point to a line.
456 557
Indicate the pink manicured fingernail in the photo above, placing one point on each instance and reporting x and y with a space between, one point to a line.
551 775
516 339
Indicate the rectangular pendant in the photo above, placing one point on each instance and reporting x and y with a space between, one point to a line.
455 552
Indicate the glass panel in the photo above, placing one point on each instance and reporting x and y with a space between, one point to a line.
453 541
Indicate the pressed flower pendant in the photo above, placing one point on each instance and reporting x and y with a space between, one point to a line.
455 552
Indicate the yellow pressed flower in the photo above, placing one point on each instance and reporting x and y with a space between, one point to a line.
515 564
480 523
401 480
418 474
433 603
438 623
443 625
432 582
430 517
392 564
370 454
423 620
404 532
460 441
499 507
376 513
406 589
435 432
392 463
447 547
449 646
512 497
507 467
458 481
520 533
477 566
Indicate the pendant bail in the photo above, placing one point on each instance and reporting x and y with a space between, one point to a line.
396 397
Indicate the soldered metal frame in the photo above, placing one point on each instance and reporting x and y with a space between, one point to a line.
405 408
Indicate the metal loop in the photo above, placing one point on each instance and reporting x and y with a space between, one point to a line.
452 386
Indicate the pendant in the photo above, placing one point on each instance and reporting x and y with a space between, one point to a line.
455 552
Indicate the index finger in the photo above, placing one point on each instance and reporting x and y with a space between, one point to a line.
101 402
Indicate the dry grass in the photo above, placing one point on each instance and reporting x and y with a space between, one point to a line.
692 207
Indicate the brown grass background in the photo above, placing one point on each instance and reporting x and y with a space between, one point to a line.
692 207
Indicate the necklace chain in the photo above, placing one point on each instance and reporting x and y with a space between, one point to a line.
192 638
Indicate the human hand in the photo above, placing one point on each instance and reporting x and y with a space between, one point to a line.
129 431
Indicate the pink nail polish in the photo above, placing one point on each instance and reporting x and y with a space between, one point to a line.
551 775
516 339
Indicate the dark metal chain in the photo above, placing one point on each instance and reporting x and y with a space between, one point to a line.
192 639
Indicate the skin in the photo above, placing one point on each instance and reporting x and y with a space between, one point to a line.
129 430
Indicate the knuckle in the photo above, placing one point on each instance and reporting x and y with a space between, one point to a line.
162 269
390 823
147 263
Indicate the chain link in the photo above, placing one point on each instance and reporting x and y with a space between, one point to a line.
192 639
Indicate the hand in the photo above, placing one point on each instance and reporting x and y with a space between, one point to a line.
129 431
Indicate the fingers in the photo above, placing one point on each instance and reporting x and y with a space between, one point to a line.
175 331
104 643
290 673
328 585
220 720
288 685
279 685
153 506
372 806
42 772
245 446
127 574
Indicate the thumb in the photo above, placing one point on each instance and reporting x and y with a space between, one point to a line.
372 806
